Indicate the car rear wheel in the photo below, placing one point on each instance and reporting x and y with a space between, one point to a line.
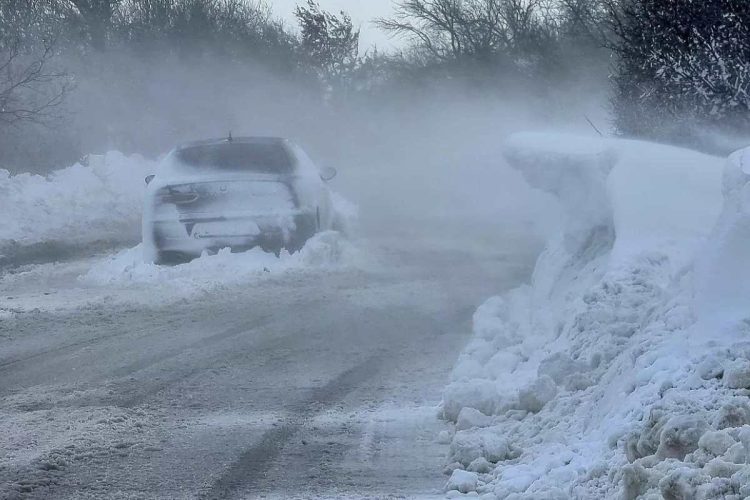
307 226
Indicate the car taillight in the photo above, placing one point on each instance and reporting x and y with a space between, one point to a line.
178 195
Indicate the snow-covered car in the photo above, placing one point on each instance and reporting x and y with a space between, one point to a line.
239 193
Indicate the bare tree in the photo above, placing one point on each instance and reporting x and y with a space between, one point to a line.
330 44
96 17
591 18
453 29
681 66
30 89
31 86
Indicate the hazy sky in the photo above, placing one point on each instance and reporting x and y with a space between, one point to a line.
362 12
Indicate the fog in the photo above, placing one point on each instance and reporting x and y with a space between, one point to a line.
414 160
416 137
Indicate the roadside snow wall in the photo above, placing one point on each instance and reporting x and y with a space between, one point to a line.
78 205
623 369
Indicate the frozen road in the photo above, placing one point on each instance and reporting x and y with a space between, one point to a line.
314 384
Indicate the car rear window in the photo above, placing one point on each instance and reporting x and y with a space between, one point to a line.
264 158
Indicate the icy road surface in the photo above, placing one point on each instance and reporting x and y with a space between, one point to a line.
306 384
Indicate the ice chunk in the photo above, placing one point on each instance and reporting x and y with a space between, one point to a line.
480 465
737 374
462 481
716 442
445 437
469 445
534 397
740 480
720 468
479 394
469 418
734 413
711 367
680 436
682 483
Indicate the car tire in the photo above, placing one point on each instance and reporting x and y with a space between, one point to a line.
307 227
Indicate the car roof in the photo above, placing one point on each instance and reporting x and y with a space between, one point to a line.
234 140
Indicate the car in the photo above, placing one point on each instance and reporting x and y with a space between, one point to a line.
237 193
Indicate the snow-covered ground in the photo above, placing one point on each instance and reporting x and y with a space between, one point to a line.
125 278
128 267
623 369
306 382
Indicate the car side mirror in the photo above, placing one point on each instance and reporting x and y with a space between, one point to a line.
149 178
328 173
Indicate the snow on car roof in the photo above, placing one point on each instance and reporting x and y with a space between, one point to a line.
270 156
241 140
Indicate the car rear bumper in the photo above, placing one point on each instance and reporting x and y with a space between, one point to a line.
189 237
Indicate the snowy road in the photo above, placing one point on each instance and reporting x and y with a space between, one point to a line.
309 384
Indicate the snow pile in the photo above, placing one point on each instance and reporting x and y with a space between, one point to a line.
79 204
327 250
724 273
623 370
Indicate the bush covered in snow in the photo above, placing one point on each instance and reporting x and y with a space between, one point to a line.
623 370
682 65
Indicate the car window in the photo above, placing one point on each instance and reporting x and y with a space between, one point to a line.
264 158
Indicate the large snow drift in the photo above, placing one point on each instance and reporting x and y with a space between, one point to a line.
623 370
78 205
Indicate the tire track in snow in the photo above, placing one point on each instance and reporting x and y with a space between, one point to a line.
141 395
233 331
141 364
132 393
252 464
27 480
8 363
217 358
46 356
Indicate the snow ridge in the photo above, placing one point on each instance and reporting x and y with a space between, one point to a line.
80 204
620 372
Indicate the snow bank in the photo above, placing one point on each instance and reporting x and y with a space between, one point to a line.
327 250
623 369
723 294
79 204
